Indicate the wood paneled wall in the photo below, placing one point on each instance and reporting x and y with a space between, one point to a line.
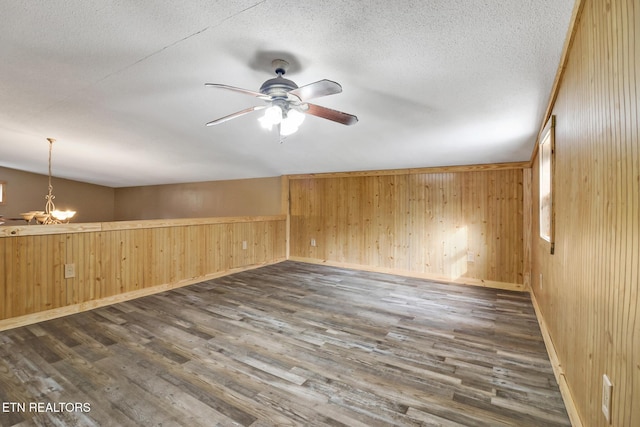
461 226
588 291
126 257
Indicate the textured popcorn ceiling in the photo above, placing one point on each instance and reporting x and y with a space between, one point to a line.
120 84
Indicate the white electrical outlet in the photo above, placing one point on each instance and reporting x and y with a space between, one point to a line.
471 257
69 271
244 244
313 242
607 389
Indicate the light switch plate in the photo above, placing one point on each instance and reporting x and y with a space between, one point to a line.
69 271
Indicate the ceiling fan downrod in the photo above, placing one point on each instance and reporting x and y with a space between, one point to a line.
280 66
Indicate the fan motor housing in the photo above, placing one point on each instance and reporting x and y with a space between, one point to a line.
277 87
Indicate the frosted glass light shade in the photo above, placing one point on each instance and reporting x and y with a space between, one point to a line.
272 116
291 123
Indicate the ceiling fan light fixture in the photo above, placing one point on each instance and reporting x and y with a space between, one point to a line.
291 123
272 116
287 102
265 124
295 118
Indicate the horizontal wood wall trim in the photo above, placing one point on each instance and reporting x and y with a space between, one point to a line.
427 276
39 230
558 370
110 263
182 222
42 316
437 169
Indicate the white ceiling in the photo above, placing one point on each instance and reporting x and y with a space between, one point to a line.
120 84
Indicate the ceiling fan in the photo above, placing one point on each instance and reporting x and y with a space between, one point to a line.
286 103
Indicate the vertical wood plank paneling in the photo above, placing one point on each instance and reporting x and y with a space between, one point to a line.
26 274
57 262
108 266
75 283
4 266
424 223
160 251
589 294
12 264
399 210
88 267
527 226
141 260
109 263
17 274
69 285
10 247
34 286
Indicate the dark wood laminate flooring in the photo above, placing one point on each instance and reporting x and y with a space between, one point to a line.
288 344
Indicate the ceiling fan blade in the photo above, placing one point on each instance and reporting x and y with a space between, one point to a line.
234 115
316 90
240 90
328 113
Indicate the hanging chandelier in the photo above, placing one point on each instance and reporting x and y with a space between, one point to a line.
50 215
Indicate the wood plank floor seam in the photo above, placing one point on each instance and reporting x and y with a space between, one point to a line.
290 344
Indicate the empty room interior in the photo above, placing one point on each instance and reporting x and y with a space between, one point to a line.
258 212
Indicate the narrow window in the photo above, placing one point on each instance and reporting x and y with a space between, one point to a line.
546 152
